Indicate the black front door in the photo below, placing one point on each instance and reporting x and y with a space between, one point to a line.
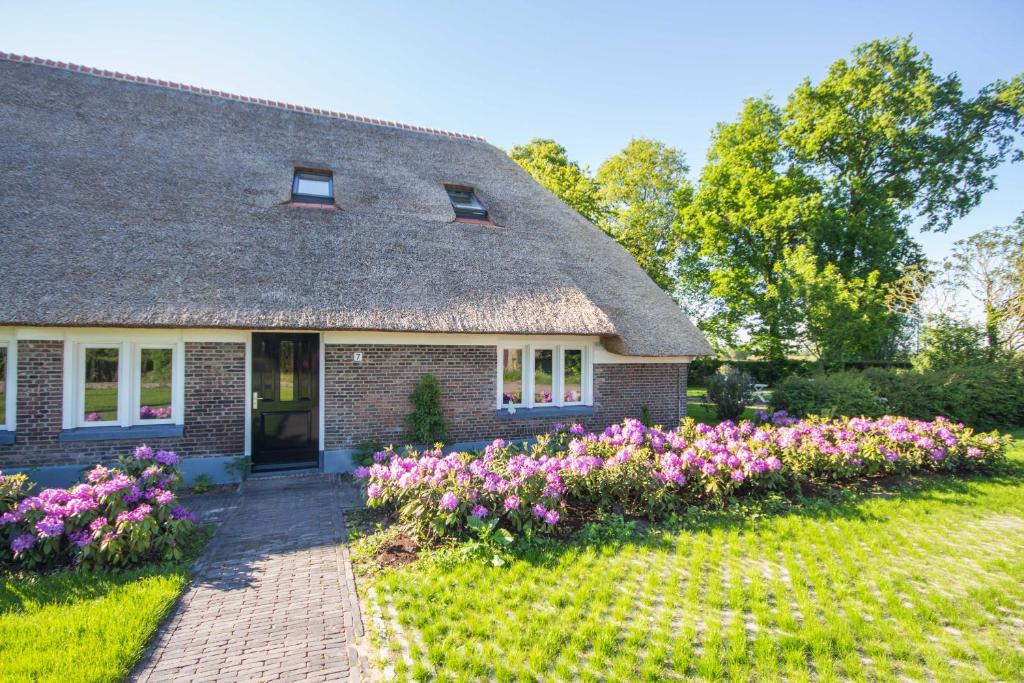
285 396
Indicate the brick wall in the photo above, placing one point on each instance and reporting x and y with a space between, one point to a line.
215 408
367 401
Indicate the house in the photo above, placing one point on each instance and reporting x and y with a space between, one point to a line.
226 276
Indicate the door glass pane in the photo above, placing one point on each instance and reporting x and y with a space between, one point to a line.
3 384
512 376
287 365
101 371
542 376
573 364
155 390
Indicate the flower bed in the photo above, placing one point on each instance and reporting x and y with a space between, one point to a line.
654 472
121 516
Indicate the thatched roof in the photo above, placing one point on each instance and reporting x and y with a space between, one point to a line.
134 203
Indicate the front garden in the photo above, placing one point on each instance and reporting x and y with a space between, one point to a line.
88 573
883 549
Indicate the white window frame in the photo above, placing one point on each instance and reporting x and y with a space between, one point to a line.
9 418
557 377
129 380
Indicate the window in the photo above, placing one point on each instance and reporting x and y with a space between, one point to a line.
111 383
512 377
155 383
465 203
3 385
543 376
316 187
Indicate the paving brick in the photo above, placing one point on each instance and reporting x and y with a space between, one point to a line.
272 597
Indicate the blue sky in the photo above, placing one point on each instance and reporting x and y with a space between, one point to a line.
588 74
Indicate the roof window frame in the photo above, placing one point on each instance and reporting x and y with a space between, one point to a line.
475 210
312 174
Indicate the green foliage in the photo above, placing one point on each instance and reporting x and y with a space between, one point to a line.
946 341
982 395
426 423
642 189
840 394
548 163
202 483
363 454
730 391
645 416
240 467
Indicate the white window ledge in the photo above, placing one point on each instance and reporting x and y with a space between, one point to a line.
545 411
115 433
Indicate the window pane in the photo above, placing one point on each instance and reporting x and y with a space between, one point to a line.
542 376
3 384
101 385
318 187
155 391
573 387
287 361
512 376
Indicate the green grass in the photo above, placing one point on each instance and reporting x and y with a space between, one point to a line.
84 625
922 580
705 412
104 400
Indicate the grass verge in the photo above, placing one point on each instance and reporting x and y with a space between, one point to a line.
916 579
73 626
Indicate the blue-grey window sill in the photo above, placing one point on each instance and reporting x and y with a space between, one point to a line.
122 433
6 437
546 411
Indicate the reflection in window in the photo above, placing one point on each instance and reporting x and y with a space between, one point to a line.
512 377
3 384
101 373
155 384
287 366
542 370
572 362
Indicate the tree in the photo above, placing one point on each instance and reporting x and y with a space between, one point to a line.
753 206
990 266
549 164
642 189
948 342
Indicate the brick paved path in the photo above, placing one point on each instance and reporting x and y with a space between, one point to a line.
273 597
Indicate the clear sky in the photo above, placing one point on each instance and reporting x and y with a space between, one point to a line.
588 74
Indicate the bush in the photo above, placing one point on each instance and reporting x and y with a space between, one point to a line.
121 517
946 341
730 391
426 421
846 393
985 395
631 469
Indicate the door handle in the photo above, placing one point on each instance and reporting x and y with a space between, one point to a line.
256 398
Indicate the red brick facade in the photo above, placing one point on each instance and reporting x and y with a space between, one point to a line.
215 408
367 401
364 401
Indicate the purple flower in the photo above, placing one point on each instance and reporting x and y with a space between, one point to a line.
49 527
166 458
179 512
143 452
11 517
80 537
97 524
539 510
373 491
551 517
512 503
973 452
478 511
136 515
380 456
93 417
22 543
449 501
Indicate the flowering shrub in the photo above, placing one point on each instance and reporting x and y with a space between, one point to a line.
121 516
653 471
158 413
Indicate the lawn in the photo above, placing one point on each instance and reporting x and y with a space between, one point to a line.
920 580
82 626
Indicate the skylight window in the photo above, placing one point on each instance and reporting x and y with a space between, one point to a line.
465 203
313 187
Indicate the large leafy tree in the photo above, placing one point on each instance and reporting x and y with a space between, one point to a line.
549 164
643 188
752 208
